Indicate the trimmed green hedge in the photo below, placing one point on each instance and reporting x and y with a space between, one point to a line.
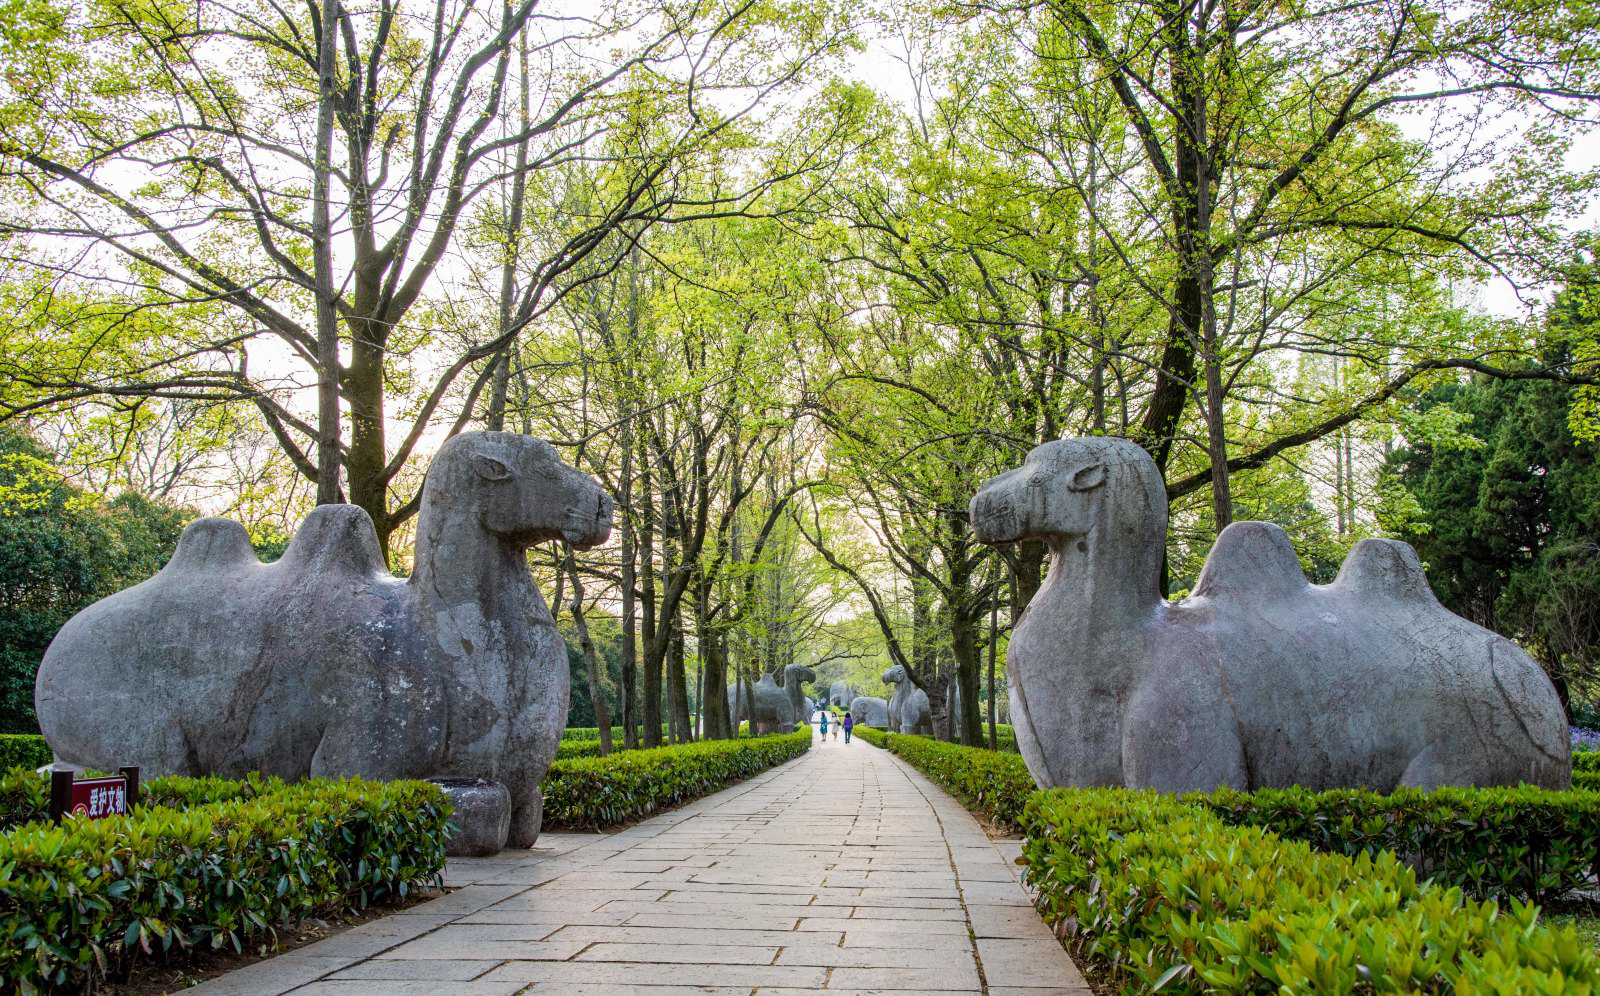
582 734
591 793
23 750
1523 842
1490 842
994 783
1163 892
79 901
872 735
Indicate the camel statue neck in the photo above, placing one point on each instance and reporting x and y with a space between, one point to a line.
458 562
1104 576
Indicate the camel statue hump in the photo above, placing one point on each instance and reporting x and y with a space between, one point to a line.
212 545
1251 560
335 538
1385 567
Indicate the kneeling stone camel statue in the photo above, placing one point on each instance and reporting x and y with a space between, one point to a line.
1257 679
323 664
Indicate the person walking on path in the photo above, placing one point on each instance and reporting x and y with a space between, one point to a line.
824 724
848 724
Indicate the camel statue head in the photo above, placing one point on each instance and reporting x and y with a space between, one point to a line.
798 673
1070 489
519 490
894 675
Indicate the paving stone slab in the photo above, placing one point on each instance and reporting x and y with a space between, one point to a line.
844 872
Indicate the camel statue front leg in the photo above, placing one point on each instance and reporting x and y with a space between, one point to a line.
527 813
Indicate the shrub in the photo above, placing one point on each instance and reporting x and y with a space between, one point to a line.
590 793
24 750
1586 761
1490 842
78 900
872 735
1165 892
1521 842
994 783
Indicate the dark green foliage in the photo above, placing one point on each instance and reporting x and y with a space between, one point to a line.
1165 894
994 783
1526 843
81 900
875 737
27 750
1510 532
60 549
1489 842
591 793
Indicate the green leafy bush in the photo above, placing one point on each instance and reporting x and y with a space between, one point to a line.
994 783
584 734
1585 761
1586 781
590 793
80 900
1164 893
24 750
1490 842
1523 842
873 736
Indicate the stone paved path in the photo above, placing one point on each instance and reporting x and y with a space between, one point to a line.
844 872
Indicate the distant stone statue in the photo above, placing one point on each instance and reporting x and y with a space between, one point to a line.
795 677
1257 679
771 710
908 704
840 694
869 710
322 663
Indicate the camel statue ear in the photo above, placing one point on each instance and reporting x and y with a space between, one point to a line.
1088 478
490 469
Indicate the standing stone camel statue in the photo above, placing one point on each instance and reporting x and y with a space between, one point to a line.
841 694
323 664
908 704
1258 678
795 677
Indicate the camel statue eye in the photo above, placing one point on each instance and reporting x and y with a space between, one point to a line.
490 469
1088 478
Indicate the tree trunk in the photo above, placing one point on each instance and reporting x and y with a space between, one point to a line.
591 664
630 642
678 687
994 630
328 379
647 598
495 418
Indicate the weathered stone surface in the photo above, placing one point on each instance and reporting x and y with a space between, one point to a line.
841 694
871 711
795 677
772 711
819 867
322 663
482 816
908 704
1258 678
